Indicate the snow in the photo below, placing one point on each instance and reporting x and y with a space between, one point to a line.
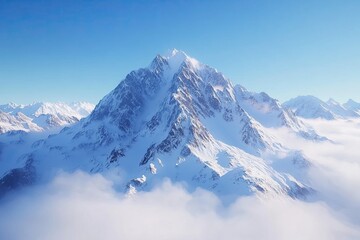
310 107
152 168
39 116
176 58
352 105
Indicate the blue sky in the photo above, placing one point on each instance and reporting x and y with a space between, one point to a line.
80 50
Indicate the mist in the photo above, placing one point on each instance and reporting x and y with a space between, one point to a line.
82 206
335 171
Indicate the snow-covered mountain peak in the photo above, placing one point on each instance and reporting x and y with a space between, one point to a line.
172 62
180 119
352 105
198 92
351 102
12 105
332 101
178 57
175 53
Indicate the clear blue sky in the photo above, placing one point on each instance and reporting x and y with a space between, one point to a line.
69 50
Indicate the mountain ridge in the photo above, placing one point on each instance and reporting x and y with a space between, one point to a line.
41 116
183 120
312 107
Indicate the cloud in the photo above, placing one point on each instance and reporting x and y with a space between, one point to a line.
338 173
336 165
81 206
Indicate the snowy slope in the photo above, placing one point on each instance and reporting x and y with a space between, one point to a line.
340 110
41 116
312 107
17 122
270 113
353 106
182 120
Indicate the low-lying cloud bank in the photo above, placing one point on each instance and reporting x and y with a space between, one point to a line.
336 165
88 207
81 206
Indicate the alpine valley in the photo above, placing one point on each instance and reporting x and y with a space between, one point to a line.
177 119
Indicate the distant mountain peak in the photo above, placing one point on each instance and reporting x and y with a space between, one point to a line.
352 105
352 102
332 101
312 107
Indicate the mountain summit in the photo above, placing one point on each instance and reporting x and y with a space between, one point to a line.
183 120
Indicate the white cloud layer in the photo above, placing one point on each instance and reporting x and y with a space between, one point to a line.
336 165
87 207
81 206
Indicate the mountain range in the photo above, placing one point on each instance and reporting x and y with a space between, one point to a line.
177 119
38 117
312 107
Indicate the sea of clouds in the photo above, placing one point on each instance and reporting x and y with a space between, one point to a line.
88 207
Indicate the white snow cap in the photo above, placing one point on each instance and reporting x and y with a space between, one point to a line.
176 57
177 54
